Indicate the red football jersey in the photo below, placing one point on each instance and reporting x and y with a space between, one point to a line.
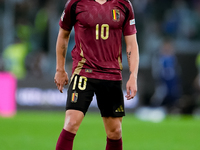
98 36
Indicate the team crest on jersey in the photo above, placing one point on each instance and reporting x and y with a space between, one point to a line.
74 97
116 14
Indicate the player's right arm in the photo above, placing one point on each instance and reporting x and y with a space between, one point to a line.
61 77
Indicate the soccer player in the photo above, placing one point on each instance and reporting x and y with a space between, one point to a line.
97 64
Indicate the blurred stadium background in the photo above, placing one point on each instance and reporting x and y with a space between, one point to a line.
169 71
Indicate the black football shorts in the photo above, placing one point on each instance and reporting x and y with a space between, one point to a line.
109 96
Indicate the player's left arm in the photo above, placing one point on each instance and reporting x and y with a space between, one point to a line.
133 61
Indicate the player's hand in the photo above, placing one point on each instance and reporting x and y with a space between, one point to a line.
61 79
131 88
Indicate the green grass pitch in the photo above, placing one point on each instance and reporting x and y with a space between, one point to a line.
39 130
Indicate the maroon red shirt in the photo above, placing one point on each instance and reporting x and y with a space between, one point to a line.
98 36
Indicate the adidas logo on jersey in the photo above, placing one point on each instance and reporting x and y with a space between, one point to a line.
88 70
120 109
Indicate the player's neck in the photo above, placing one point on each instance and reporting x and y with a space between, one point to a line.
101 1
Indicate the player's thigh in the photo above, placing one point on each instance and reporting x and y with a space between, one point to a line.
73 119
113 126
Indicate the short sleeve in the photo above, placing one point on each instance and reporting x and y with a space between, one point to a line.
66 20
129 27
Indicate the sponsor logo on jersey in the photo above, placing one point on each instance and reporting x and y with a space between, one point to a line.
132 22
116 14
63 14
74 97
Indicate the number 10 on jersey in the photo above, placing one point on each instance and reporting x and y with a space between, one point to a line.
102 31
